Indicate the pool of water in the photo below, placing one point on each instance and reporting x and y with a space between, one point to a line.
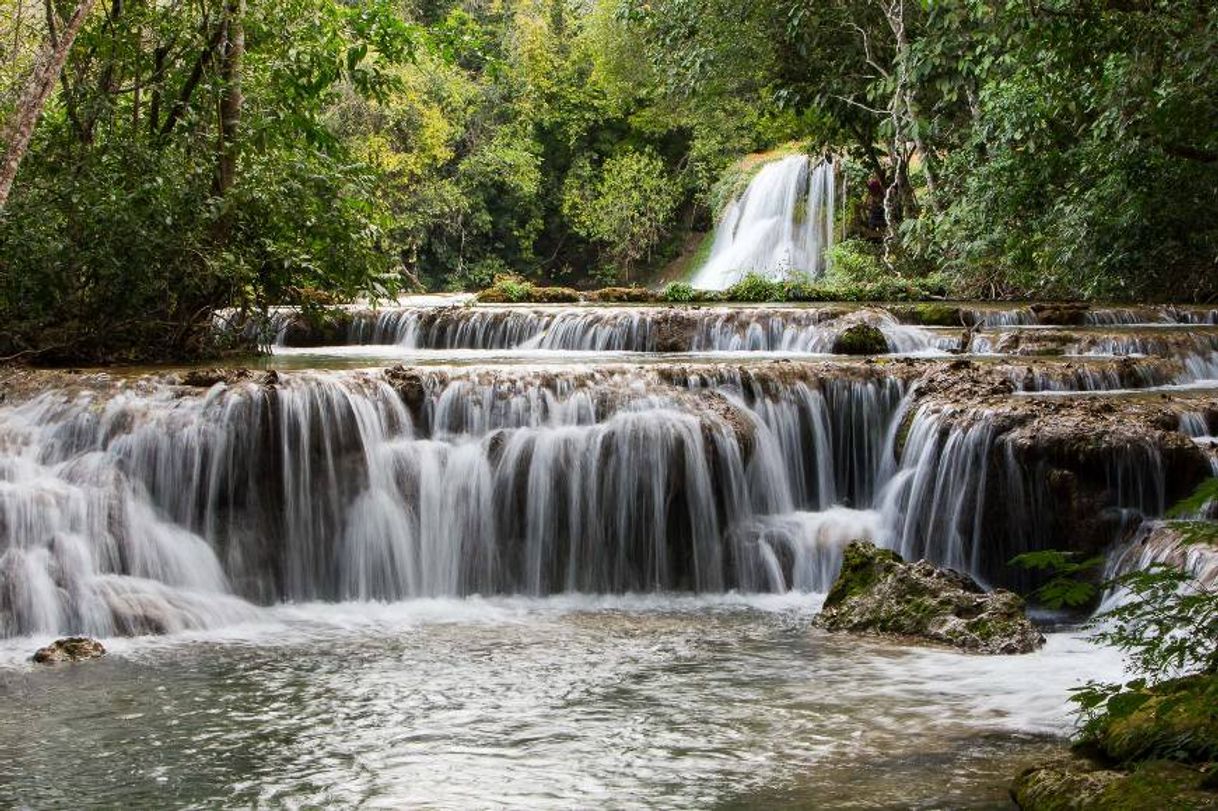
566 702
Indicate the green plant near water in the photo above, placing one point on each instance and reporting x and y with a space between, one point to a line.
854 261
679 293
755 289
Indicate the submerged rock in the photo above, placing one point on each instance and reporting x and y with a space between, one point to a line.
70 649
879 593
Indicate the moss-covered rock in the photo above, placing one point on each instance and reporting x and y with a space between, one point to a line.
878 593
623 295
860 339
318 328
1154 747
1078 784
933 314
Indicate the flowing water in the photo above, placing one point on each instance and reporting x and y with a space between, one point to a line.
656 702
566 557
781 224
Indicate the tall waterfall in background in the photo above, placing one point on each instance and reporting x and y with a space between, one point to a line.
783 223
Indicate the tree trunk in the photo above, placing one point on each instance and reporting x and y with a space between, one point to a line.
231 99
34 98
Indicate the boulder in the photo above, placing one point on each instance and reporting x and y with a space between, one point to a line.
860 339
70 649
879 593
1080 784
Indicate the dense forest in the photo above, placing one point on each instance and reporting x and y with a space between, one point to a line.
219 154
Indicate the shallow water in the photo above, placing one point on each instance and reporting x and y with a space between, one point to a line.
572 701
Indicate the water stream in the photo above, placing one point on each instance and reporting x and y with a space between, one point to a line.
566 556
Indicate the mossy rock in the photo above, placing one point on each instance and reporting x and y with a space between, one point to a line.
862 566
554 295
318 328
623 295
878 593
1077 784
934 314
860 339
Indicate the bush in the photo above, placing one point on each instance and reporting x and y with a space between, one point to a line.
853 261
507 289
754 288
679 293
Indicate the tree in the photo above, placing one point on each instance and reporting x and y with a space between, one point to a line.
42 82
625 207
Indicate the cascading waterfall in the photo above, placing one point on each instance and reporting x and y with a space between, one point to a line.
166 509
781 224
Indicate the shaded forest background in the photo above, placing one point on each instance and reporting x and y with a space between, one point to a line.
241 153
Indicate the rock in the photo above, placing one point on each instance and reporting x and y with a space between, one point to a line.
1155 747
206 378
1076 783
1064 314
878 593
324 328
860 339
618 295
70 649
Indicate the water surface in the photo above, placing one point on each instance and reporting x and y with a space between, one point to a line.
571 701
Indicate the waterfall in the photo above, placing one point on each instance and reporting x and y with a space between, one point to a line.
160 508
782 224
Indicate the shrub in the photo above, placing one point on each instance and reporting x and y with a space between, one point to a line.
755 288
507 289
854 260
679 293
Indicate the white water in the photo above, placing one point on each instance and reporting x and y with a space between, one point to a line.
781 225
635 701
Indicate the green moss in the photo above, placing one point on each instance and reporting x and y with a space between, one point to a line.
860 339
1174 720
934 314
862 565
1078 785
1194 504
623 295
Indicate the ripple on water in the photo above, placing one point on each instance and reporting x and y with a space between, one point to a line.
650 701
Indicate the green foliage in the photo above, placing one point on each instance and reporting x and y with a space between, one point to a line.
854 261
1070 583
1167 623
625 208
508 289
755 288
1198 503
120 241
679 293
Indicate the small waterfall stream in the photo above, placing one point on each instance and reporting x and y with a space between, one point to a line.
781 224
